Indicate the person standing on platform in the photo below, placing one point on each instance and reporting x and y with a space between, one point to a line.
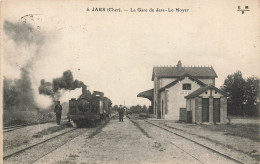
121 113
57 110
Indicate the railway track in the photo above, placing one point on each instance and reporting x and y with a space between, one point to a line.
147 135
36 144
12 128
38 150
202 145
186 138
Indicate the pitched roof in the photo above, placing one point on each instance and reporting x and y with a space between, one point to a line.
203 89
147 94
180 79
198 72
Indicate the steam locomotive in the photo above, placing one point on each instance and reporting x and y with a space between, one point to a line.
89 109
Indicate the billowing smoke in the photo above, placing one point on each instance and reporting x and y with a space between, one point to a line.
24 47
23 32
18 94
25 88
65 82
22 43
45 88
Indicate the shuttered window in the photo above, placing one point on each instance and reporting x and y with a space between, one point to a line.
186 86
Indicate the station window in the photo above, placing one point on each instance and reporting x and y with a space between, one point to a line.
186 86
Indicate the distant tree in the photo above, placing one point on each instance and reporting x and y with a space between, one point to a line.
234 87
115 108
242 95
10 94
138 109
252 95
144 107
133 109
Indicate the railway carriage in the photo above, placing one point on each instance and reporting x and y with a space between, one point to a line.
107 107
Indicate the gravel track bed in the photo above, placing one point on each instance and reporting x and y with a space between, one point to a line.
131 141
34 153
16 127
23 136
35 141
201 154
243 158
118 142
62 136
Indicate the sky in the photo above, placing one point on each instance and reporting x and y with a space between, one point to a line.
114 52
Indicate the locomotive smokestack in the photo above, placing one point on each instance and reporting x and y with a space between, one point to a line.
84 89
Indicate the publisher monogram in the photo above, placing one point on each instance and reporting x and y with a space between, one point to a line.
246 8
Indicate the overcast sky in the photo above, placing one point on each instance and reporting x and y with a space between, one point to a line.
115 52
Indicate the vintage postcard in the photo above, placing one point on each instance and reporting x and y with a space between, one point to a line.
138 81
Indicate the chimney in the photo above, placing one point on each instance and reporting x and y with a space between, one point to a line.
84 89
179 65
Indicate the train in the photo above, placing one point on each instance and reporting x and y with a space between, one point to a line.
89 109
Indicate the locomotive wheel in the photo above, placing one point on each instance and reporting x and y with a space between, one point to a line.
94 123
81 123
78 124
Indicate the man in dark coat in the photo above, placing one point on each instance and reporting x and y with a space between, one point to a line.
57 110
121 111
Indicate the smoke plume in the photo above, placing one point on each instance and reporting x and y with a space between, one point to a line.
18 93
23 33
24 47
22 44
45 88
65 82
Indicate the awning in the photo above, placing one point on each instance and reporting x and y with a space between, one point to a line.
147 94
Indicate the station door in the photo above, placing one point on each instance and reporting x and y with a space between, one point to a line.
216 110
205 110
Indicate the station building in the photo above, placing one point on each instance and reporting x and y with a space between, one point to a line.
187 94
